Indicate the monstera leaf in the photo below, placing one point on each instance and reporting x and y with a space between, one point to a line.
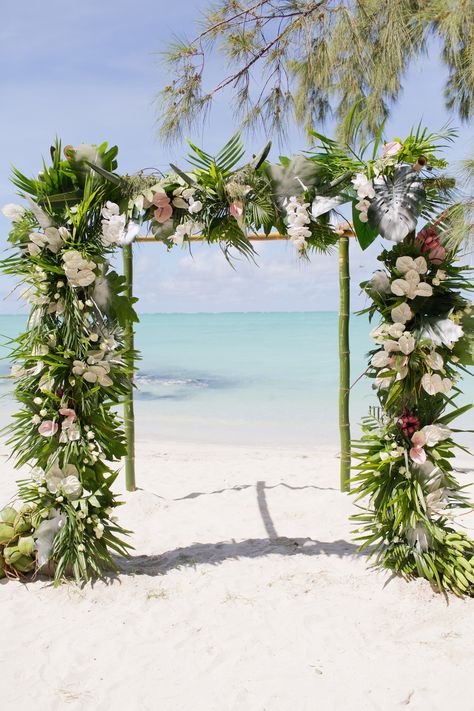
397 204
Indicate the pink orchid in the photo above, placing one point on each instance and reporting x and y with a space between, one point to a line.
48 428
68 413
417 453
236 209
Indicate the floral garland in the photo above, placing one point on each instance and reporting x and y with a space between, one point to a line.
70 365
70 372
425 340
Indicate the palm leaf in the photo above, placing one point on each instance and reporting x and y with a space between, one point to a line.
398 203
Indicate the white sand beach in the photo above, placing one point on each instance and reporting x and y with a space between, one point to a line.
244 593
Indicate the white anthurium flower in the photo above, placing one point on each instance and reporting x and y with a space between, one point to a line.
98 373
433 384
381 359
401 313
53 478
379 333
407 264
434 360
383 382
70 484
411 286
434 434
391 346
396 330
55 238
380 282
13 212
406 343
45 534
442 332
79 271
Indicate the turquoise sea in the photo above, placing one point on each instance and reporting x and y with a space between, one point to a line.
242 378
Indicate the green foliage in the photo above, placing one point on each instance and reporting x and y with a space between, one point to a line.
308 60
69 367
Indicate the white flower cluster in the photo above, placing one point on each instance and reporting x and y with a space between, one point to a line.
53 238
298 221
183 199
410 285
115 229
365 193
96 370
79 271
182 230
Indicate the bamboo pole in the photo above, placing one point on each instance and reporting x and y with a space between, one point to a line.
344 362
128 408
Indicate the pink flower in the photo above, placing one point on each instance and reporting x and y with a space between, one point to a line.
392 148
430 244
163 207
417 453
68 413
48 428
236 209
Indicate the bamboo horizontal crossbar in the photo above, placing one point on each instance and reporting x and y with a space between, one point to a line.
273 236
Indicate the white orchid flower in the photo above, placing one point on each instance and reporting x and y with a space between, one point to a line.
110 209
433 384
407 264
93 373
13 212
363 186
401 313
411 286
195 206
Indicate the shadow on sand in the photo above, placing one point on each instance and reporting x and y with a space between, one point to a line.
216 553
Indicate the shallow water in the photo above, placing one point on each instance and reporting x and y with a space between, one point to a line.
256 378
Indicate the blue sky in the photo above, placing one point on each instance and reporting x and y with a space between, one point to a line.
89 72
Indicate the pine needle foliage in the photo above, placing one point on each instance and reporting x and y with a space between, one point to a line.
316 59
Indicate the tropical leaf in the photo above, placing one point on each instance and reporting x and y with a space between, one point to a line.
365 234
398 203
111 177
